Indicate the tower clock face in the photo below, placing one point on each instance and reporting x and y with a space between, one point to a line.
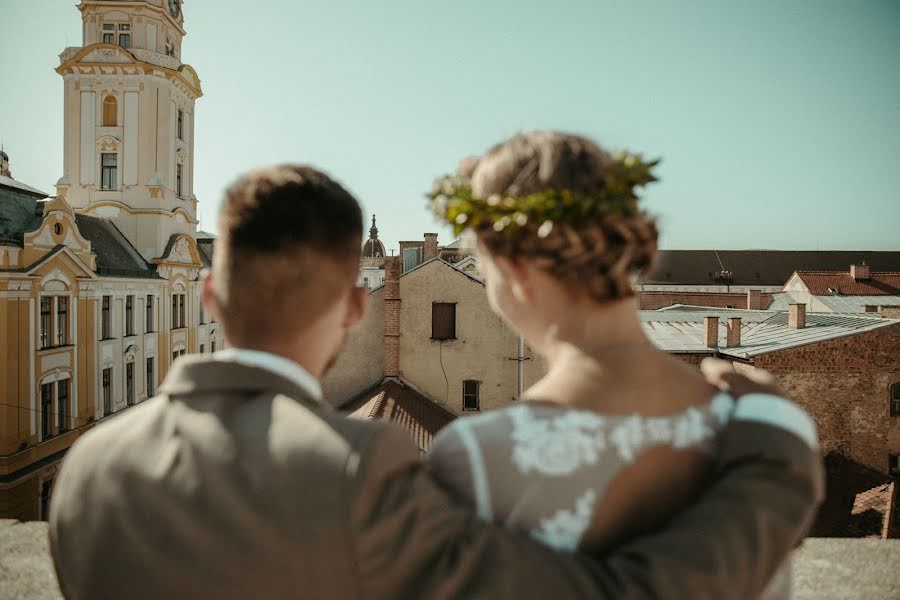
174 8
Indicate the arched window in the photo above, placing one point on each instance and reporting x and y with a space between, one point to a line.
110 110
895 400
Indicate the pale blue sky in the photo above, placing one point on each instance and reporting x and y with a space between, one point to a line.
778 121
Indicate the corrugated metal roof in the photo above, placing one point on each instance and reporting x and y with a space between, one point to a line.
834 304
762 332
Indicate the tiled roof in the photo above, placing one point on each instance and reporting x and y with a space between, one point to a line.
116 257
399 403
859 501
19 213
821 283
681 329
758 267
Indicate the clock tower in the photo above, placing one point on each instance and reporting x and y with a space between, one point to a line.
129 121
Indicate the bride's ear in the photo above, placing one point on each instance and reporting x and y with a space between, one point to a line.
520 278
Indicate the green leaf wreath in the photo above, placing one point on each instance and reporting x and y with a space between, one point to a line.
452 201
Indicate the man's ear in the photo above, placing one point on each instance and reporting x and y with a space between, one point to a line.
357 305
519 277
208 295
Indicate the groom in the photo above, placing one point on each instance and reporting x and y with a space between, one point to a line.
239 481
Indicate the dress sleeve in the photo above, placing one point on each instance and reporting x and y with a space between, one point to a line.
450 462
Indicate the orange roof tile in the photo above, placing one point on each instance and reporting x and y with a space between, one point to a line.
821 283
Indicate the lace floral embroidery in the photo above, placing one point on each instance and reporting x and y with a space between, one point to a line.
557 445
564 529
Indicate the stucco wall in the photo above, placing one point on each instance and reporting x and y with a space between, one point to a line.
360 365
482 350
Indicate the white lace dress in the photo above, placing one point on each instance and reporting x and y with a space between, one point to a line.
542 468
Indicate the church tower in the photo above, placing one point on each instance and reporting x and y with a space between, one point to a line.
129 121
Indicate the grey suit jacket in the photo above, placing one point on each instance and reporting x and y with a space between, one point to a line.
234 484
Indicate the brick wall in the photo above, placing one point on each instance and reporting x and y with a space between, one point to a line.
657 300
392 268
845 386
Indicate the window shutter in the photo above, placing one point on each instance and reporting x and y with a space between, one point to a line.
443 321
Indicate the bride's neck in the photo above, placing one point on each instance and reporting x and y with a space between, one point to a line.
596 334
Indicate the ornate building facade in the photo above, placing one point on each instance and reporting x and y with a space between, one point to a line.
99 285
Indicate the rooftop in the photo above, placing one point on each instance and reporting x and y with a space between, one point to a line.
836 304
757 267
400 403
680 329
834 283
11 184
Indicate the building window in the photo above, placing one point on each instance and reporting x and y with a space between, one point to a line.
46 492
148 321
109 33
129 315
62 405
202 315
180 125
212 346
46 409
895 400
105 325
110 112
62 320
109 170
176 354
46 321
179 178
202 348
894 464
151 377
129 383
107 392
470 395
178 311
125 35
443 321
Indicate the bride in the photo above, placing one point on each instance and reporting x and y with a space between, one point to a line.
618 436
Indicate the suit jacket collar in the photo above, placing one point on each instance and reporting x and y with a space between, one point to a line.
194 375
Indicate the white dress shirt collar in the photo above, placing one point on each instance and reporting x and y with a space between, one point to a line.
276 364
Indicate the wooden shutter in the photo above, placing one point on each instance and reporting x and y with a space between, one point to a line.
443 321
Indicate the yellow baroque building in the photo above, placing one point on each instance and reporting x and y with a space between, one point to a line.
99 284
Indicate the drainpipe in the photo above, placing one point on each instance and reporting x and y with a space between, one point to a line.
521 369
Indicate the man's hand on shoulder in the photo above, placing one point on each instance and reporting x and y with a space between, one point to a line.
722 374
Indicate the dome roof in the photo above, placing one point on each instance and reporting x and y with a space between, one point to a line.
373 248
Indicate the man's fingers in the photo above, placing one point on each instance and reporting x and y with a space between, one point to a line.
721 374
715 370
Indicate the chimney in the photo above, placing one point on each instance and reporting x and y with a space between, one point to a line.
754 299
711 327
734 332
431 246
890 312
392 316
797 316
859 272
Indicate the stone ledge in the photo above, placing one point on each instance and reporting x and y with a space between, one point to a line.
824 568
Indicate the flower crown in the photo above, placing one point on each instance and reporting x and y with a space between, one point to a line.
452 201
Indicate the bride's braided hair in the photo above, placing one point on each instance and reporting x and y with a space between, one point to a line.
602 253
